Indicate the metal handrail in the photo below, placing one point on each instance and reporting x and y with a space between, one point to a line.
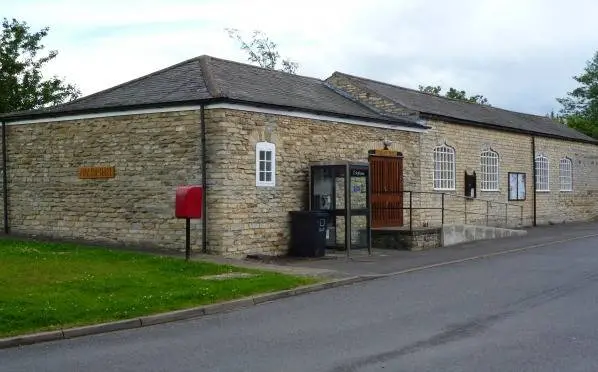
443 208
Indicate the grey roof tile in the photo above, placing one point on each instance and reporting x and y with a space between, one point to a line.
203 78
178 83
250 83
474 113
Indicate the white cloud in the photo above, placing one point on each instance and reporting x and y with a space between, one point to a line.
519 54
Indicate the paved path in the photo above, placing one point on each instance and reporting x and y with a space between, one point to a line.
529 311
384 261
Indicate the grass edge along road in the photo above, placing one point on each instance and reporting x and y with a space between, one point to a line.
47 286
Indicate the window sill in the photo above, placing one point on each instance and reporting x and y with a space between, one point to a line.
542 191
566 190
497 190
444 189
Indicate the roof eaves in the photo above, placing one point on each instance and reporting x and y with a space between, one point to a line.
51 114
393 120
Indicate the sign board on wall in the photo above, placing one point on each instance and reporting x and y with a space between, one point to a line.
385 152
96 172
516 186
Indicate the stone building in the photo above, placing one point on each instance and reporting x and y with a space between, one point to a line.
105 167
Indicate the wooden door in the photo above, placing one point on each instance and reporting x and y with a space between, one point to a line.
387 191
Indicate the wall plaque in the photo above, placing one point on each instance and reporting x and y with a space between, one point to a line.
96 172
385 152
516 186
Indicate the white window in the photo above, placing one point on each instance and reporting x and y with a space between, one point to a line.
265 164
444 168
542 173
566 174
489 170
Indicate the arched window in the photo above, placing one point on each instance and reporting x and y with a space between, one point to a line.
444 168
542 173
265 164
489 170
566 174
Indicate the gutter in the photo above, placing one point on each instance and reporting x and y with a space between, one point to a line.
204 182
4 178
53 115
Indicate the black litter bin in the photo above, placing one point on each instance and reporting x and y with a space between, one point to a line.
308 233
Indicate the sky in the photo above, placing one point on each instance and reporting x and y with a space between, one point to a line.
520 54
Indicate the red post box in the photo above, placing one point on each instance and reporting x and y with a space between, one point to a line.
188 201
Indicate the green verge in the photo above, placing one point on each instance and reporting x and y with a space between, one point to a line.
46 286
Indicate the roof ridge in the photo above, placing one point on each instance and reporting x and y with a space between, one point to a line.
208 78
263 68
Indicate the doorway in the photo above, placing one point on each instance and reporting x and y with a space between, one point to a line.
386 190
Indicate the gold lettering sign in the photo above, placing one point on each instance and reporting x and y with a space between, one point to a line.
383 152
96 172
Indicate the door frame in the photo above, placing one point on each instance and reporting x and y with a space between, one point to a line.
385 153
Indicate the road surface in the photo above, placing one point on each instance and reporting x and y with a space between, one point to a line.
535 310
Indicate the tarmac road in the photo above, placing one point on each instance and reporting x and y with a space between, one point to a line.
535 310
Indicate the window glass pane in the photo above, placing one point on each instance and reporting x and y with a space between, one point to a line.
566 175
444 168
489 170
264 166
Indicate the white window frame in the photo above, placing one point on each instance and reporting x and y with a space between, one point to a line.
566 180
444 176
265 147
542 173
489 170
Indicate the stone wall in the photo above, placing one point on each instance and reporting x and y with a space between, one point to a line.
556 206
515 155
514 151
244 218
152 154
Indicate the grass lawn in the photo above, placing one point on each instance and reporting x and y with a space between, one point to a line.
45 286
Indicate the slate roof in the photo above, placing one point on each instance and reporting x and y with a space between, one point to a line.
209 79
471 113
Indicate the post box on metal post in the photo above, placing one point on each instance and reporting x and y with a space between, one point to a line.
188 205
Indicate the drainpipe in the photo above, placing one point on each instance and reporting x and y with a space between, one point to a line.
534 178
204 182
4 179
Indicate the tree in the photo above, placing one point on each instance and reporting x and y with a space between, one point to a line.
454 94
580 108
263 51
22 84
